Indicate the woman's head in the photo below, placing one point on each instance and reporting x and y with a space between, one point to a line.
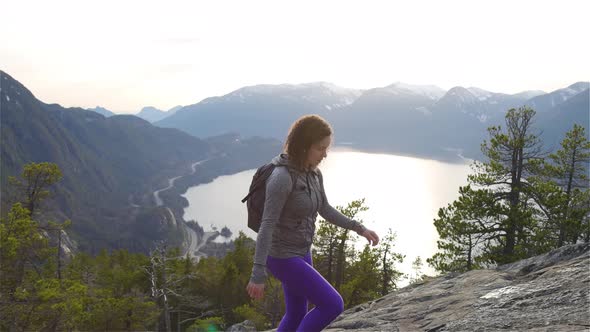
308 141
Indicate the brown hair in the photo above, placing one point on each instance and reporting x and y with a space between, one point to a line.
305 131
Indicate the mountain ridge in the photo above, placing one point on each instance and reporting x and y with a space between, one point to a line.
391 119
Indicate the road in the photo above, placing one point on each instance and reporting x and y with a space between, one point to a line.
192 238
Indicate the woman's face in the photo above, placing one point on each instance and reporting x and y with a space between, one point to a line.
318 151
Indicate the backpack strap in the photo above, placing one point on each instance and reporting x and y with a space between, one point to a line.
321 177
323 192
265 175
293 179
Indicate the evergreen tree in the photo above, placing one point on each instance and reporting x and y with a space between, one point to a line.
562 190
363 278
26 263
324 252
465 227
333 245
388 258
417 268
24 251
32 188
493 220
359 276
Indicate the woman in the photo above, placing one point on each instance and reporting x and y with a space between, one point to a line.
294 197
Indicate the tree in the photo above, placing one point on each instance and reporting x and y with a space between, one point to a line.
163 285
247 312
363 278
333 244
493 222
342 245
562 188
465 228
325 245
273 305
24 247
371 273
417 268
23 251
389 275
31 189
570 169
513 157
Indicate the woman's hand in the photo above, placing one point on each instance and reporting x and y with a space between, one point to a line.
371 236
256 291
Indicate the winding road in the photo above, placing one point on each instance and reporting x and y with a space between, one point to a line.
171 182
192 238
157 192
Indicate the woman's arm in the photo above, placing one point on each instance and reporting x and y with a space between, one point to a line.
335 217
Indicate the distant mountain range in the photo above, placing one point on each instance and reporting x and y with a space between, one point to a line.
424 121
112 164
147 113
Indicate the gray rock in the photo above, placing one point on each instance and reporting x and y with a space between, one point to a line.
549 292
245 326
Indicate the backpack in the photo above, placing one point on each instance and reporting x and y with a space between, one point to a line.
257 195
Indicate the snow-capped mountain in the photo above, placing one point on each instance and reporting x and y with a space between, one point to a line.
481 104
327 95
401 118
430 91
459 98
545 102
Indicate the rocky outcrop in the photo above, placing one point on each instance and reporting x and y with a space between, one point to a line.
549 292
245 326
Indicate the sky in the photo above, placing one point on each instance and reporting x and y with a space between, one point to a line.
124 55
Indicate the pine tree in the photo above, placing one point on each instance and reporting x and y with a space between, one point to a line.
343 246
493 221
417 268
465 227
563 189
388 258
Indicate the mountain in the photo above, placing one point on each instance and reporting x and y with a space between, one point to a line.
417 120
559 119
261 110
101 110
174 109
149 113
429 91
529 94
122 177
153 114
381 118
544 103
542 293
110 166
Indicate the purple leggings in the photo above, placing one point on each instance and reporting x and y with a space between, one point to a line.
301 282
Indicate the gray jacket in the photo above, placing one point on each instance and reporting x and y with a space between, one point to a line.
288 222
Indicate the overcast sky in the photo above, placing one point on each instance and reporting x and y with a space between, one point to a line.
124 55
